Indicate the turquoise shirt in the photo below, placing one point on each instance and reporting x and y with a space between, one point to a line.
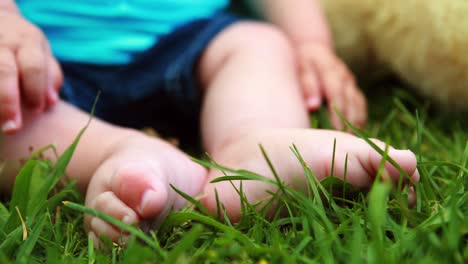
111 31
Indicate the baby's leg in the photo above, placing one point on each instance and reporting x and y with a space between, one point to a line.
252 96
123 172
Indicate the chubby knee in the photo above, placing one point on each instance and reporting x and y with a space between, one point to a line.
254 39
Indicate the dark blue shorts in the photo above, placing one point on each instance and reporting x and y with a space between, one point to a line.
157 89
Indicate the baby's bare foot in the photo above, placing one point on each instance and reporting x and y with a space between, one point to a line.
132 185
315 146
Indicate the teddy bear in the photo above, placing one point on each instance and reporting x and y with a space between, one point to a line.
425 43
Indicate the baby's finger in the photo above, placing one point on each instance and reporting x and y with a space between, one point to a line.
335 120
54 81
33 69
353 112
335 106
361 109
10 110
332 76
332 87
311 89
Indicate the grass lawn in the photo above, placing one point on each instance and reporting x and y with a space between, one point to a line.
374 226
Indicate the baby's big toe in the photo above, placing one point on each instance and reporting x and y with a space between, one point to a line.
141 188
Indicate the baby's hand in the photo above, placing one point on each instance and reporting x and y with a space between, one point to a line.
29 75
324 76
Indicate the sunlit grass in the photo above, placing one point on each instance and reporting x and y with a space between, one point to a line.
315 227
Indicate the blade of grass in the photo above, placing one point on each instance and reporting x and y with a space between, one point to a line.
377 214
178 218
121 225
409 117
24 252
23 224
4 214
272 169
357 242
184 244
20 196
462 168
302 245
11 240
312 181
332 170
345 175
191 200
91 254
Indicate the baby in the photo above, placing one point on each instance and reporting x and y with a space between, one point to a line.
157 62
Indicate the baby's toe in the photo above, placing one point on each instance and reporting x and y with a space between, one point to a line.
141 188
405 159
108 203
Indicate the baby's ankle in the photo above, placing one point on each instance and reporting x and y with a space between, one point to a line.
236 137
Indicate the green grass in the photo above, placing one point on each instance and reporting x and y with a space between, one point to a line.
348 227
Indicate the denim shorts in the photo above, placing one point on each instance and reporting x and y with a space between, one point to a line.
158 89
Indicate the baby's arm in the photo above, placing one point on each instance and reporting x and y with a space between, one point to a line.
29 75
322 74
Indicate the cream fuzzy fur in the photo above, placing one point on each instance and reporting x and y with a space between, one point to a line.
425 42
